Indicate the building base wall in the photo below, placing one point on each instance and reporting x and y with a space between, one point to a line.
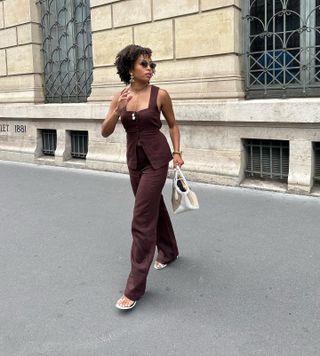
212 134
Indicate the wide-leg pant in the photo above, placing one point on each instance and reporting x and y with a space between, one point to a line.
151 226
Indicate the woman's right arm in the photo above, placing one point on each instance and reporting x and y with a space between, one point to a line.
117 105
110 122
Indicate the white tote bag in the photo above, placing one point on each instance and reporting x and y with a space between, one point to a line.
182 198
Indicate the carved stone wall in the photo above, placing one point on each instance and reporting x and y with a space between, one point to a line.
196 44
20 57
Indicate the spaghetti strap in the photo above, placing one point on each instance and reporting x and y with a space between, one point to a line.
153 98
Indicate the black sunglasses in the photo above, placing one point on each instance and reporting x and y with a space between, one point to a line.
145 64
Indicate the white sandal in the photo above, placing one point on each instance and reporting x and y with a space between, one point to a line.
119 304
158 265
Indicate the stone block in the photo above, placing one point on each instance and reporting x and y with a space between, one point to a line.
3 63
24 59
21 89
8 37
217 162
204 134
300 165
131 12
17 12
35 12
38 66
238 33
12 83
208 33
106 76
215 4
101 18
202 68
106 44
29 33
147 35
94 3
167 8
1 15
102 92
199 89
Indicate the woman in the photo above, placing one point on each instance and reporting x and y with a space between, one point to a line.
148 154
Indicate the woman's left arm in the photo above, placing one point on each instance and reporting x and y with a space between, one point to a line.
167 111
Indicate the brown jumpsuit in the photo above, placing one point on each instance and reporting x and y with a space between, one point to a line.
148 156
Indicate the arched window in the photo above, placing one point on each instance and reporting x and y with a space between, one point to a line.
67 50
282 48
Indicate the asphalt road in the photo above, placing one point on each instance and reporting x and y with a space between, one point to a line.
246 282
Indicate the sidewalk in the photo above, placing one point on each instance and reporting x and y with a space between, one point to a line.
246 282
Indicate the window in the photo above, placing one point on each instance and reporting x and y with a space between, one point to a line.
49 142
316 149
67 50
283 48
79 144
267 159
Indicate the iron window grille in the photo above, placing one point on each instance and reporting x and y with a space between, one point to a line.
316 149
79 144
67 50
282 48
267 159
49 142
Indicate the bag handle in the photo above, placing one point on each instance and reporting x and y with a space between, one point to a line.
178 171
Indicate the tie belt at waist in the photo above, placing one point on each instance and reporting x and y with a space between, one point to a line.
143 133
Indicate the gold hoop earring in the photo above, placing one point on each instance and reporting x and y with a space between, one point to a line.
131 78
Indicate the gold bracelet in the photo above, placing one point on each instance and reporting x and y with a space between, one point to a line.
177 153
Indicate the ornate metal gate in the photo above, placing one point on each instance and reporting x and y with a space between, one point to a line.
67 49
282 48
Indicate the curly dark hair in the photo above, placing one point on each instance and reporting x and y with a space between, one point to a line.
126 58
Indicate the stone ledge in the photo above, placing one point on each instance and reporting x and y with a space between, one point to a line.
296 112
315 191
264 185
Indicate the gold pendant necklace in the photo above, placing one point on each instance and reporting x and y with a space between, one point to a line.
137 92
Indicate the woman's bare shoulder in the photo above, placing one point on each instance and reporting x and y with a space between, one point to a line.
163 94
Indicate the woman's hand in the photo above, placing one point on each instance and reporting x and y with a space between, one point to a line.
118 104
177 160
123 100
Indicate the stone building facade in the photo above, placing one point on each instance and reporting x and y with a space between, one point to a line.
199 46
